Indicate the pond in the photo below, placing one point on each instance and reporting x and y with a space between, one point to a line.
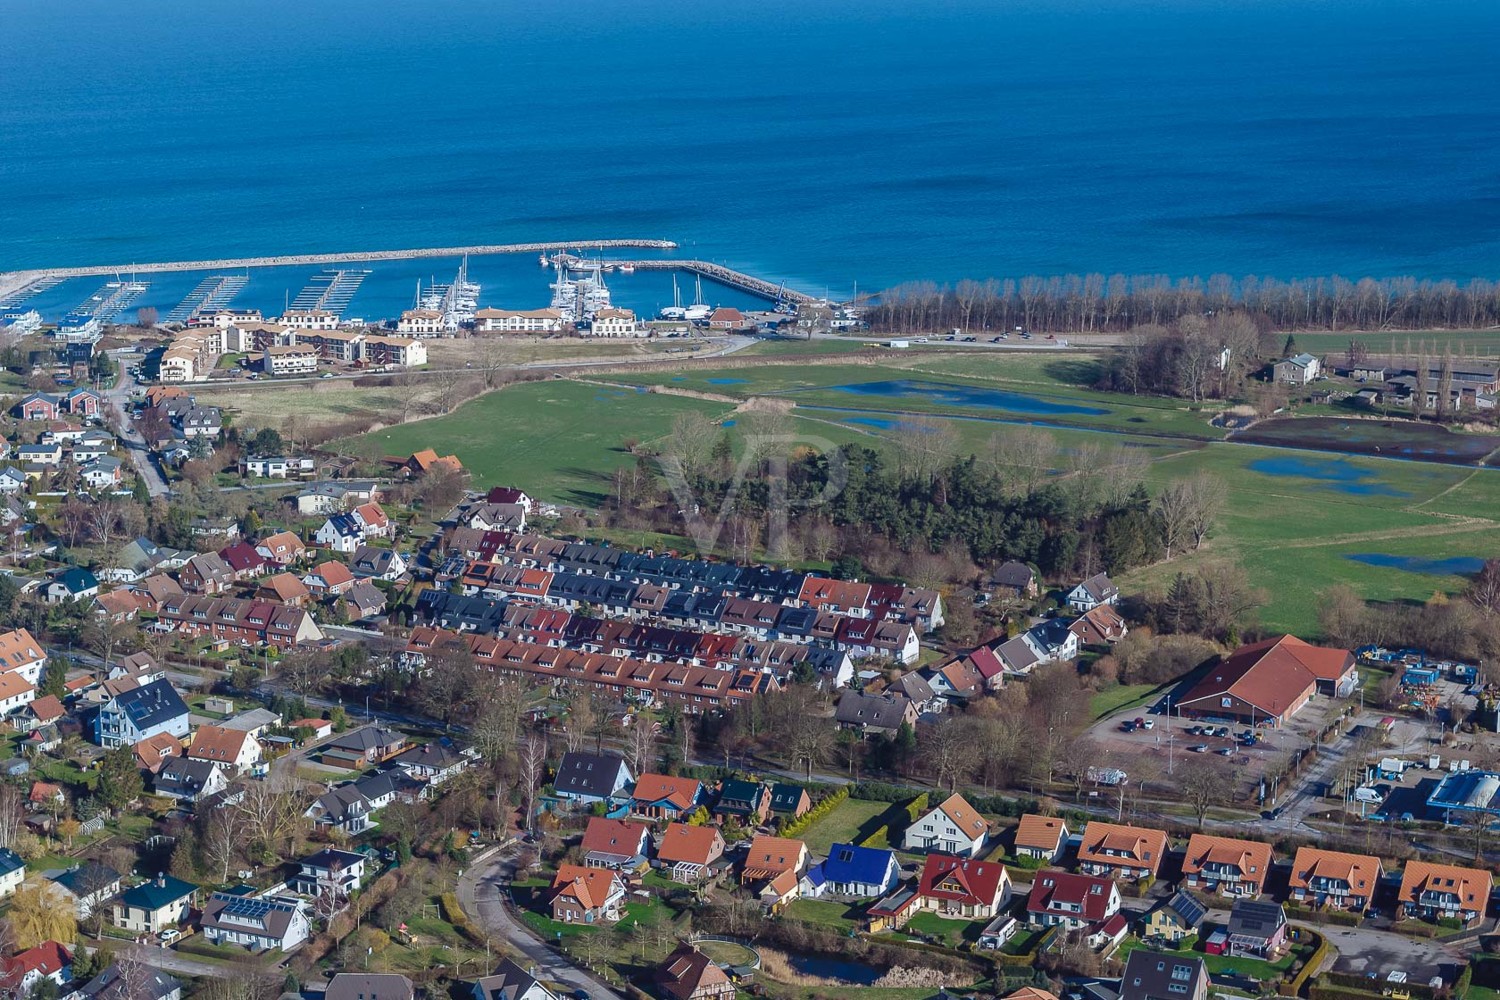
1386 438
946 394
1338 475
1453 566
841 969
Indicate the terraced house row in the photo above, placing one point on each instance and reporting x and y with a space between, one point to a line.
1239 869
887 635
919 607
694 689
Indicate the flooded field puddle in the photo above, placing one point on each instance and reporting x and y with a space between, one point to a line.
968 397
1381 438
1454 566
1337 474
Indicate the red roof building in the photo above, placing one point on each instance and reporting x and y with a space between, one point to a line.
1072 901
963 888
1266 683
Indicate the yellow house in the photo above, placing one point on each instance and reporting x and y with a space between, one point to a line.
1175 920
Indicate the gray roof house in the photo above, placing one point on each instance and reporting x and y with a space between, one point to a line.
368 986
141 983
1152 975
141 712
591 777
881 713
260 923
511 982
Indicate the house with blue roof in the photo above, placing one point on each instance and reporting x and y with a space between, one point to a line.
140 713
851 870
153 906
12 871
73 584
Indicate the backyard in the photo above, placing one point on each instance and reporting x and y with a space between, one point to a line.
850 822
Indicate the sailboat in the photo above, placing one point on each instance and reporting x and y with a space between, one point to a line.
675 310
699 310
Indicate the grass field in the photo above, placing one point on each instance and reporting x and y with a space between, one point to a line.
560 440
1221 964
1295 519
853 819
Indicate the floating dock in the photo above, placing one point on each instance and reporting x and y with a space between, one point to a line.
213 293
330 291
110 300
28 290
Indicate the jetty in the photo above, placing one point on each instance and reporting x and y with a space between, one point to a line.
716 272
14 282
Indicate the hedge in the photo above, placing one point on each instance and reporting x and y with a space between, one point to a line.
1321 952
880 791
1464 981
881 832
917 807
1342 917
816 813
453 912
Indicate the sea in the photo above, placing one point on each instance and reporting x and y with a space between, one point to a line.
830 144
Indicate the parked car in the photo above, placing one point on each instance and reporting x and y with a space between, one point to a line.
1225 751
1199 748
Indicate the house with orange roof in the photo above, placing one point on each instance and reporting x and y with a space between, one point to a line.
1124 852
329 579
372 519
118 606
838 596
1226 866
233 749
316 728
283 588
615 843
42 712
422 462
154 751
20 653
1436 891
962 888
661 796
770 856
1334 879
952 827
16 692
1266 683
1102 625
686 852
1041 837
587 895
283 548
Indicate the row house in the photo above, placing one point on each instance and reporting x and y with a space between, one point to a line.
241 621
1437 891
694 689
1124 852
49 406
517 321
1334 879
1226 866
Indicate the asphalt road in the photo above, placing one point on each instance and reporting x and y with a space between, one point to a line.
118 399
481 891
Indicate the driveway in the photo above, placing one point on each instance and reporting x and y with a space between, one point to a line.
482 890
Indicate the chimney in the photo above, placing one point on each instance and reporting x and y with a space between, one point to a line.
161 880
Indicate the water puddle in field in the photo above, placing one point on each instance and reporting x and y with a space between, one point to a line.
1337 474
1453 566
970 397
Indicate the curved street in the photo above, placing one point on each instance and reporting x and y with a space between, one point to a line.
482 891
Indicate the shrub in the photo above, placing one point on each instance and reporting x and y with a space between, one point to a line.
880 791
816 813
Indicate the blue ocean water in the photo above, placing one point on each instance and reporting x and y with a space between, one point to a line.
825 142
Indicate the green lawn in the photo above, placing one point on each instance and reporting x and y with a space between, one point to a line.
1217 964
949 932
850 821
826 914
1112 699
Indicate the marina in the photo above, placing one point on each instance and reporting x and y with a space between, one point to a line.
112 299
716 272
457 301
330 291
212 293
28 290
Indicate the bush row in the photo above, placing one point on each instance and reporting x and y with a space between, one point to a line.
816 813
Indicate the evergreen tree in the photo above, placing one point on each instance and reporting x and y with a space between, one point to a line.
119 780
1289 349
55 677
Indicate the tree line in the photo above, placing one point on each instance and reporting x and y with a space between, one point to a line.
1118 302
